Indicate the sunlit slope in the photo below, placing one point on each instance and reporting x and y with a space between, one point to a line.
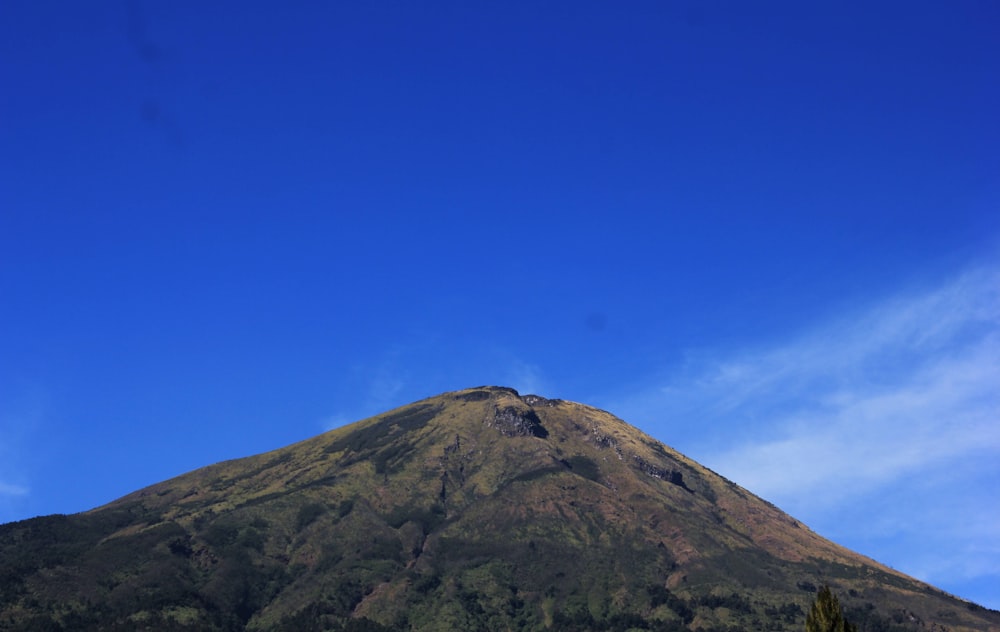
479 509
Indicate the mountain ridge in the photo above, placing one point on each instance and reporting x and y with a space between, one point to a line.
473 509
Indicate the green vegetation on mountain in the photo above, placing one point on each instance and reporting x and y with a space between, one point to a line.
475 510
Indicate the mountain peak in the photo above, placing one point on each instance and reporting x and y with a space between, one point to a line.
475 509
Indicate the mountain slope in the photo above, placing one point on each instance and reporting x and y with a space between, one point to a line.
479 509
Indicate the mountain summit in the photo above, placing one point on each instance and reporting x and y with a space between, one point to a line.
480 509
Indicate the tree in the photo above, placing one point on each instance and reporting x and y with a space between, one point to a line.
826 614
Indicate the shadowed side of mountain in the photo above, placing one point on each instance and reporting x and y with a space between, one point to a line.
477 509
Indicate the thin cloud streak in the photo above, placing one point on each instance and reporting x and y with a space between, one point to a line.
870 435
526 379
910 383
868 348
335 421
876 405
395 381
20 419
8 489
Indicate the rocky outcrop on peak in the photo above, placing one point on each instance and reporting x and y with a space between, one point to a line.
669 475
515 419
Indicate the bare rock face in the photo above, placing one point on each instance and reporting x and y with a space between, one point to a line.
671 476
538 400
511 414
514 418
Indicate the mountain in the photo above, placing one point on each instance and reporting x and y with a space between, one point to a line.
475 510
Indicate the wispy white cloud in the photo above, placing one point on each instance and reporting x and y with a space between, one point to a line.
903 386
335 421
526 378
380 388
929 414
880 404
9 489
385 387
20 417
422 368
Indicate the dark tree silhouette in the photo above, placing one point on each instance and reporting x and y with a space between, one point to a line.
826 614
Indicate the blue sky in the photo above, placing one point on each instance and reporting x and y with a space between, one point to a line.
766 235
